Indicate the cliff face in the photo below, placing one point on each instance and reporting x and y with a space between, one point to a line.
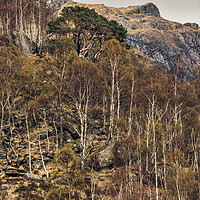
164 41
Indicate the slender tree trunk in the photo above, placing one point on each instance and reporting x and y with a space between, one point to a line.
60 114
104 112
60 97
46 127
112 105
81 117
120 194
153 121
39 25
154 141
148 133
1 25
130 174
3 105
93 186
164 160
82 108
118 102
42 158
156 174
56 130
33 23
85 127
118 94
194 145
29 143
150 192
140 161
175 104
2 119
177 180
10 124
7 19
16 15
21 27
131 107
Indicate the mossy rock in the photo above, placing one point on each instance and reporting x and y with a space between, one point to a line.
106 157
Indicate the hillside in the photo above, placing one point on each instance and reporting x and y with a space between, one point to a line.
83 117
150 34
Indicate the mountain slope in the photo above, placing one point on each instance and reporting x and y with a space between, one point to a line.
164 41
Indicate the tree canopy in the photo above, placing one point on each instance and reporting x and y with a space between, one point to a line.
88 29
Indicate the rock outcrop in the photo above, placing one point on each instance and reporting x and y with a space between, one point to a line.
192 25
23 42
30 176
148 9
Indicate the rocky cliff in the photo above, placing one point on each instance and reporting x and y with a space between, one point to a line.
168 43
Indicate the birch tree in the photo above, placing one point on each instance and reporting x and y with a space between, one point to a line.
84 95
114 57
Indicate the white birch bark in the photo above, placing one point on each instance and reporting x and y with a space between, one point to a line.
131 107
42 157
104 112
29 142
112 104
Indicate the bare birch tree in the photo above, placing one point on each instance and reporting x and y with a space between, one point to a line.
114 57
